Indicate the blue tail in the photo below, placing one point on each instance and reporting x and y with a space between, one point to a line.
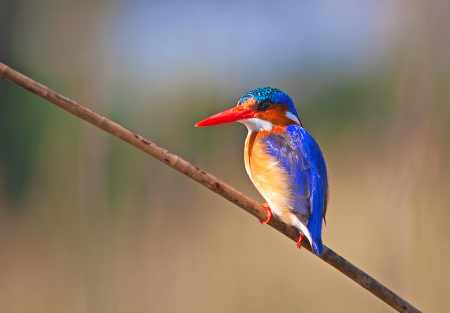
317 246
315 220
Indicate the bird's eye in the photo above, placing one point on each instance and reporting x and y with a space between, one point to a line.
264 105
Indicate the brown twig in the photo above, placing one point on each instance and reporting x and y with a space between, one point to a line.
207 180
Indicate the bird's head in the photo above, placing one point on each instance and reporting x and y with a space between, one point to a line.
261 109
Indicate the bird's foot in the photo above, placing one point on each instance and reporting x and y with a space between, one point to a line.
299 243
269 214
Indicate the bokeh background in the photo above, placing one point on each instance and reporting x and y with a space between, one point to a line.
91 224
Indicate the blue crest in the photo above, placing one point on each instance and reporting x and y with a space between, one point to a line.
273 94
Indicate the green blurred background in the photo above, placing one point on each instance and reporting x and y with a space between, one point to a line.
91 224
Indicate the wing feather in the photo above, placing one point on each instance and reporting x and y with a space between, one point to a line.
301 157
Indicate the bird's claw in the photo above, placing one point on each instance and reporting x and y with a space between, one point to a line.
269 214
299 243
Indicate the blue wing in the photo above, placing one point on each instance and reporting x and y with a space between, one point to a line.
301 157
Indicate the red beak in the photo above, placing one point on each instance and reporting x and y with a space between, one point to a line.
228 116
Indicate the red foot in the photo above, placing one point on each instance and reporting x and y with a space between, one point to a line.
299 243
269 214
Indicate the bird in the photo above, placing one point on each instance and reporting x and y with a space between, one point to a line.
283 160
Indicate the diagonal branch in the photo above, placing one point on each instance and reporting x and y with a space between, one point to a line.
207 180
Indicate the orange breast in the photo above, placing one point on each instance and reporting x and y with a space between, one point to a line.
269 177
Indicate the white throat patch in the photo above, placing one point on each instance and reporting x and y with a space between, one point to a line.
256 124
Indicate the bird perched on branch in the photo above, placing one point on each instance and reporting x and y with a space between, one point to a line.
283 161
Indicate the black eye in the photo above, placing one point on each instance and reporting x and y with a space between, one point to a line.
264 105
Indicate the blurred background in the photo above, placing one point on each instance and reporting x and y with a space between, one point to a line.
91 224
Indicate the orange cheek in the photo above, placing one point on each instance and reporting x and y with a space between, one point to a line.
276 115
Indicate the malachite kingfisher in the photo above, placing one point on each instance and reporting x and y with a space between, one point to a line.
283 161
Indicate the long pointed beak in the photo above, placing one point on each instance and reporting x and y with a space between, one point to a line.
228 116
